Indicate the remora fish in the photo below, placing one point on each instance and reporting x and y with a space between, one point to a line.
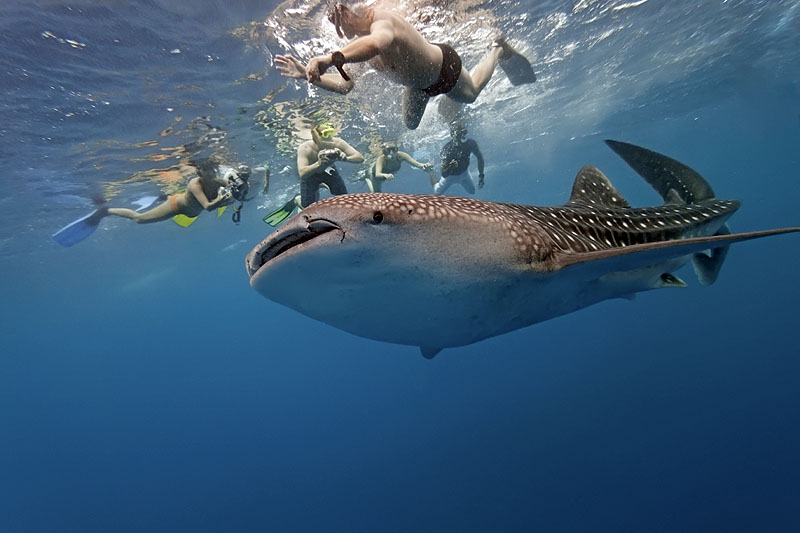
438 272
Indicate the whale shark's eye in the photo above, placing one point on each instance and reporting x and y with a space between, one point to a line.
377 217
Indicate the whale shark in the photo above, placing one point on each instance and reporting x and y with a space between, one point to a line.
440 272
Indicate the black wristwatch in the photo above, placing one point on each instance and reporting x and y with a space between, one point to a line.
337 58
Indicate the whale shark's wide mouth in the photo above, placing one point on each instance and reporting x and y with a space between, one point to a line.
282 242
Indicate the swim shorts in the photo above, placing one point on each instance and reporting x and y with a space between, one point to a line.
309 186
448 76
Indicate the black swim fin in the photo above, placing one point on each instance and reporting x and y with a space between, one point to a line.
515 65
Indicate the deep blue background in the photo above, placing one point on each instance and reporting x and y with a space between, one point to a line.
145 387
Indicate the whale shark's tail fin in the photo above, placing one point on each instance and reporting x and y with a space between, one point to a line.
664 174
677 184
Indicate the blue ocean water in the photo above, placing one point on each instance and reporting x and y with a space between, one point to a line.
145 387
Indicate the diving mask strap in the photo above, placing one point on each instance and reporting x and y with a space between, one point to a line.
337 59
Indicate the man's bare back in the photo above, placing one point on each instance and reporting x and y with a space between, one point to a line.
408 59
397 50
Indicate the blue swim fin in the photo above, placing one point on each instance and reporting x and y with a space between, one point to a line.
77 231
145 202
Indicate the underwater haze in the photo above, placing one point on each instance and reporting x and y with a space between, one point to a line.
144 386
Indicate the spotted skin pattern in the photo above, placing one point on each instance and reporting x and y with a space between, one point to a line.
538 232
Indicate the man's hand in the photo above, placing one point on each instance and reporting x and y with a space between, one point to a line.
427 166
290 67
330 155
480 181
317 67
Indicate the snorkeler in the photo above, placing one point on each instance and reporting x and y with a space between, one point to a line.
455 162
315 165
215 186
394 47
388 162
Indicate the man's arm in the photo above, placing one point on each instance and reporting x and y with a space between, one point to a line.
360 50
351 155
479 156
290 67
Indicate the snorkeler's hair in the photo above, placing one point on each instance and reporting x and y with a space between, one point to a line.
206 166
335 11
335 17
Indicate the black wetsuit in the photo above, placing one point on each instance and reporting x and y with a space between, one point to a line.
309 186
460 152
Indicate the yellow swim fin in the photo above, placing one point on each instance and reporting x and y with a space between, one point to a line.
221 210
183 220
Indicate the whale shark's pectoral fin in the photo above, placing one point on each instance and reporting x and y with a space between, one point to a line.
707 267
591 265
670 280
428 352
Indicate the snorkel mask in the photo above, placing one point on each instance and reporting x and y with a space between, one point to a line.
326 131
389 150
458 132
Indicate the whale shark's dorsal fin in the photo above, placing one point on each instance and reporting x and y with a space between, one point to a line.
592 188
664 173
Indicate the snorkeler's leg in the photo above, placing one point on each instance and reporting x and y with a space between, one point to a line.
336 184
441 186
414 102
373 184
123 212
432 176
309 189
449 109
467 182
470 85
164 211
